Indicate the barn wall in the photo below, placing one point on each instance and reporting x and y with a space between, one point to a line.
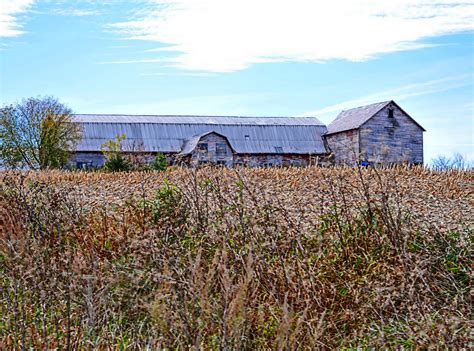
87 160
391 140
211 156
344 146
270 160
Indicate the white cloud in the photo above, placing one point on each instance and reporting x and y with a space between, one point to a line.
75 12
399 94
9 11
229 35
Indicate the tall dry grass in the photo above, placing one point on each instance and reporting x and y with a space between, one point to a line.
236 259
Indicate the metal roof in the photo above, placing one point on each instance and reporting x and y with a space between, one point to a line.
246 135
183 119
355 117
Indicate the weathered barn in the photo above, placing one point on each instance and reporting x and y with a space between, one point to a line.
252 141
377 133
380 133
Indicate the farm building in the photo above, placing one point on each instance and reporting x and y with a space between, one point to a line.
377 133
356 135
197 140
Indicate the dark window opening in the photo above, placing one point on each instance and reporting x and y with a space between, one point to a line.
202 147
247 137
390 113
279 149
221 149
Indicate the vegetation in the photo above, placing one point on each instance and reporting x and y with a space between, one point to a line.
296 258
37 133
115 159
457 161
160 163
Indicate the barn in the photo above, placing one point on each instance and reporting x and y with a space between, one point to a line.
199 140
378 133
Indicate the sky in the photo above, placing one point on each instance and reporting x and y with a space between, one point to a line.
248 57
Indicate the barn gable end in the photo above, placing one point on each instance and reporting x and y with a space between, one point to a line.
380 133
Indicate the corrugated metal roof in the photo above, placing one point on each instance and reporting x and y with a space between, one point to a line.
354 118
246 135
183 119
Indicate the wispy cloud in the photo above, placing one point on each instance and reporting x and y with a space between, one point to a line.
10 25
181 74
221 35
399 94
75 12
125 62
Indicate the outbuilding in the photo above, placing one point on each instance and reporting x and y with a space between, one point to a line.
380 133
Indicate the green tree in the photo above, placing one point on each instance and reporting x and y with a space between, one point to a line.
37 133
160 163
115 161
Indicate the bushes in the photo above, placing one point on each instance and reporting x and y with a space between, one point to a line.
160 163
118 161
219 259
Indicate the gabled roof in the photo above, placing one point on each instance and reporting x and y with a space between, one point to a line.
356 117
191 144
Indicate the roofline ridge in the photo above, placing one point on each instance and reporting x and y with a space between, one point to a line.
218 116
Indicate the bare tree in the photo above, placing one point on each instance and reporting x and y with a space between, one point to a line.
444 163
37 133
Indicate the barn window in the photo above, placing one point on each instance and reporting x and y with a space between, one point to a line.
221 149
84 165
202 147
279 149
390 113
247 137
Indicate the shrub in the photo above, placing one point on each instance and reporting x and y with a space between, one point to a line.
117 163
160 163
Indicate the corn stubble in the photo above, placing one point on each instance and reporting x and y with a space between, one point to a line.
299 258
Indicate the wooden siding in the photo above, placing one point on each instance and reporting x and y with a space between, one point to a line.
212 156
391 140
344 146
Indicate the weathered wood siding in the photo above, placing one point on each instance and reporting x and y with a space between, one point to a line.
85 160
344 147
212 155
397 139
270 160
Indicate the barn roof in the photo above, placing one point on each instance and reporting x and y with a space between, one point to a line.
246 135
356 117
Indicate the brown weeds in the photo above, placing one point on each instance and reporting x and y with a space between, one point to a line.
299 258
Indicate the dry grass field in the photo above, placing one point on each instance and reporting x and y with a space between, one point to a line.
296 258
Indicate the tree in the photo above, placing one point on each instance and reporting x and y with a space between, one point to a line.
113 152
443 163
37 133
160 163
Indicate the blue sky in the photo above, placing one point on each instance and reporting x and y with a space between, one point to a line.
259 58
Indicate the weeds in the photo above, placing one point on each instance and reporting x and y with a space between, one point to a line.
223 259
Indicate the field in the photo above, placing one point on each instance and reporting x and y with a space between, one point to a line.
295 258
